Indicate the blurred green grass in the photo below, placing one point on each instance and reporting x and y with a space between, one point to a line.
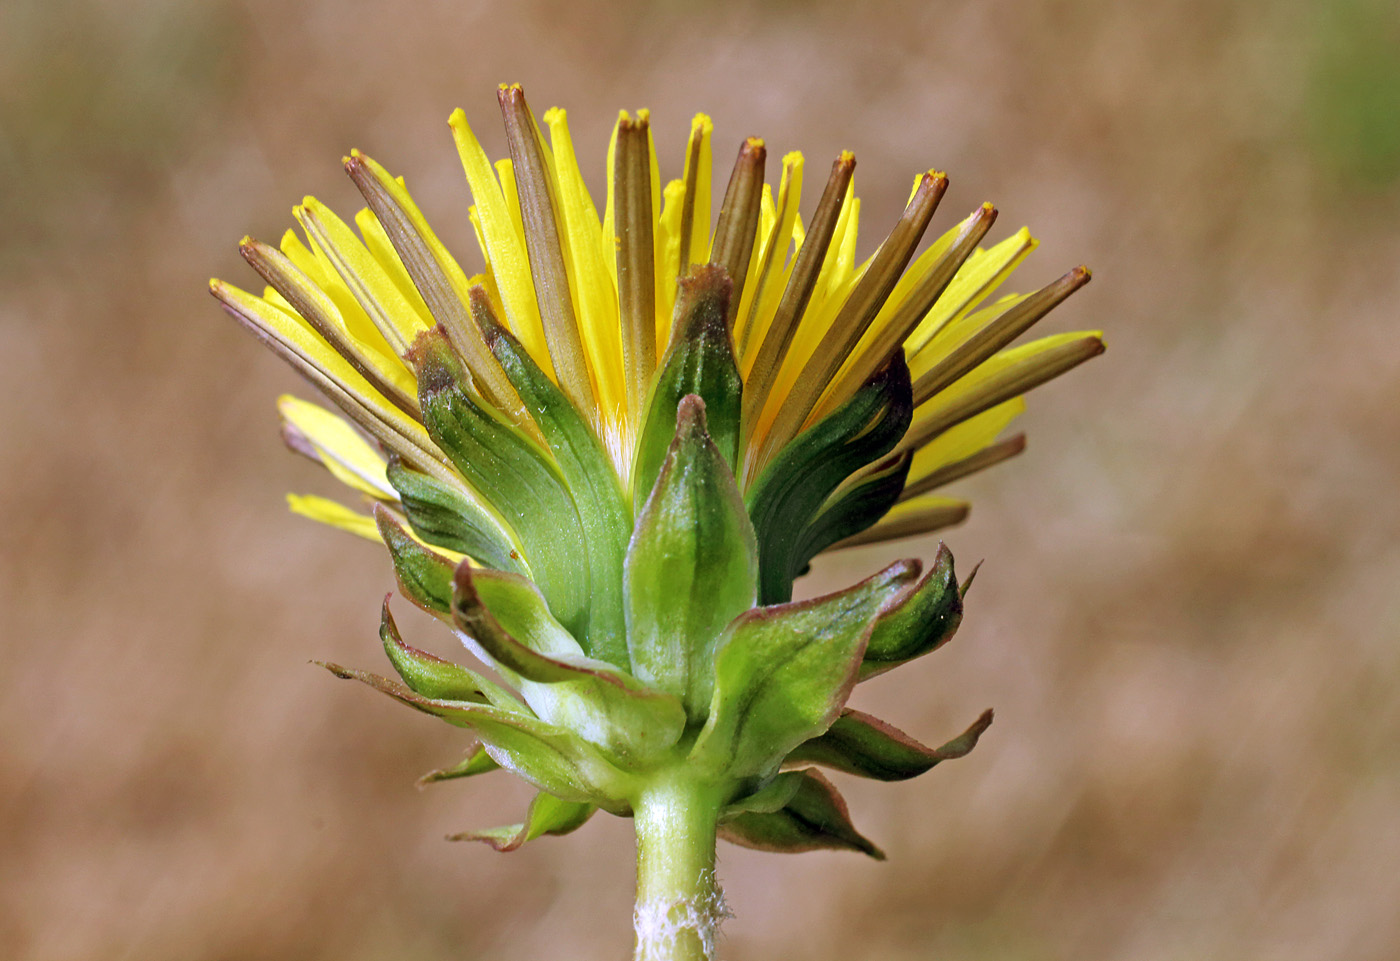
1354 92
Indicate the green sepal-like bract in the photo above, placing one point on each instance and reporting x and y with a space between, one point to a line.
477 761
424 576
771 795
511 472
507 620
433 677
790 493
920 623
551 758
813 817
587 474
546 815
783 673
449 518
866 746
702 679
700 361
852 508
691 567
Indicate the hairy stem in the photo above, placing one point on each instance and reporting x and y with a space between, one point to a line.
679 904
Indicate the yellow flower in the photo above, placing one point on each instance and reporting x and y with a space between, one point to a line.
592 300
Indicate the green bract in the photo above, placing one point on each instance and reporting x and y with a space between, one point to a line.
648 637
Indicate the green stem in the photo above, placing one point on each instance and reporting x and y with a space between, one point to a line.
679 905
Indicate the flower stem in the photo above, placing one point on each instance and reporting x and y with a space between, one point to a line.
679 904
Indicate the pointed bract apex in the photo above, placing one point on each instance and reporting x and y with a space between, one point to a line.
963 744
920 621
485 316
702 299
547 815
424 576
868 747
424 673
344 673
962 590
477 761
700 360
436 363
690 422
455 714
814 818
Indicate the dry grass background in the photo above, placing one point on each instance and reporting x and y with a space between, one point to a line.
1187 622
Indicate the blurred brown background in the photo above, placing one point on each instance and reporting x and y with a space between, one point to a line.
1187 621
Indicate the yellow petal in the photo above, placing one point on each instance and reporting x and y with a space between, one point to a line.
505 243
610 209
353 336
658 284
965 439
300 255
371 286
438 277
595 299
699 172
379 245
668 260
978 278
342 449
326 511
299 344
911 518
767 218
839 275
761 293
998 379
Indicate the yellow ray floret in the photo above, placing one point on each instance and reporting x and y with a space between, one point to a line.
342 449
590 299
327 511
